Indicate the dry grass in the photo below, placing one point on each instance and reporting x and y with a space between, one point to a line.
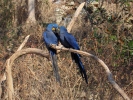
33 75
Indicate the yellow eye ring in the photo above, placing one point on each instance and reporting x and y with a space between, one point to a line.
53 29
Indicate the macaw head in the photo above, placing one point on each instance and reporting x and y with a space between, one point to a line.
52 27
63 29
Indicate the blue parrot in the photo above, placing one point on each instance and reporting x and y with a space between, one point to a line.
69 41
51 38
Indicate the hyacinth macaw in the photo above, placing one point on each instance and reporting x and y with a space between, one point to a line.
69 41
50 38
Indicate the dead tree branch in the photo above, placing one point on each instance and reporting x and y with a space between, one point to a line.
108 72
10 89
75 16
10 63
24 42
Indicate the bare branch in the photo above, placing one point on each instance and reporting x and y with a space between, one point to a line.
24 42
27 51
10 90
75 16
9 64
108 72
9 74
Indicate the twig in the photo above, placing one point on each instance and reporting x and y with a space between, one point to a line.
24 42
75 16
34 76
108 72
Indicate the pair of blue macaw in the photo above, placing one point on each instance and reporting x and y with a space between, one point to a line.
53 35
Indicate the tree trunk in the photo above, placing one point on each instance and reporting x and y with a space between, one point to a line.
31 11
58 11
50 2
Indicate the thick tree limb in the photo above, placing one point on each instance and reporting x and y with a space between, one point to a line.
108 72
75 16
27 51
10 89
10 63
31 12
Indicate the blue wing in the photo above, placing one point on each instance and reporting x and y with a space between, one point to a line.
50 38
77 60
72 41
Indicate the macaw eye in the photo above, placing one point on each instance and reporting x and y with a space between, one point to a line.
53 29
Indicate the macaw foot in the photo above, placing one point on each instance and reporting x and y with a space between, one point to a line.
61 46
52 45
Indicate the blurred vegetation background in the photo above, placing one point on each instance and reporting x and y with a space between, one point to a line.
104 28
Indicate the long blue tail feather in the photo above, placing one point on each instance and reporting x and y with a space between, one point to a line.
76 57
55 66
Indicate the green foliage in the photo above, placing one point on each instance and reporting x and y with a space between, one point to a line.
128 48
112 29
125 2
113 38
130 44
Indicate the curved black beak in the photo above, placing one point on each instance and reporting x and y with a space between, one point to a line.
57 31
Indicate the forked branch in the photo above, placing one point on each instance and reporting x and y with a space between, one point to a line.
9 64
10 89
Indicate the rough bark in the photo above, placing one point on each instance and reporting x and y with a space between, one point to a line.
31 11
